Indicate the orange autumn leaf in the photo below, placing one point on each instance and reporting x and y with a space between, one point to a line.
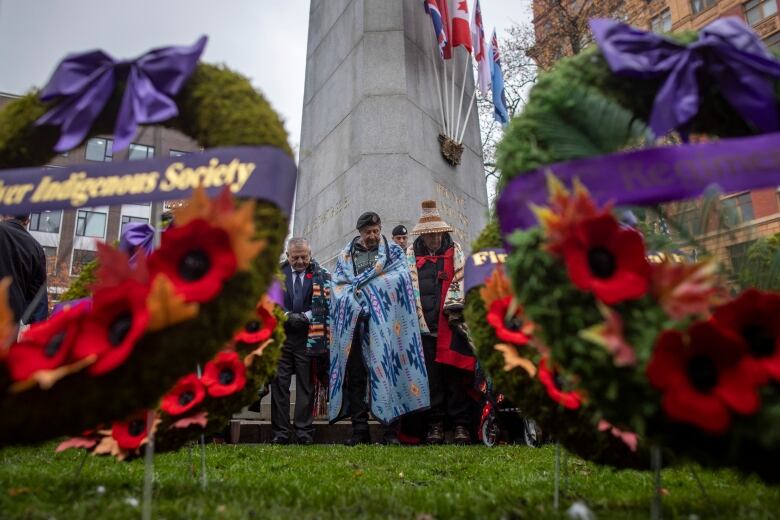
45 379
686 289
76 442
166 307
609 335
114 267
496 287
198 206
240 227
564 211
267 304
199 419
250 358
513 360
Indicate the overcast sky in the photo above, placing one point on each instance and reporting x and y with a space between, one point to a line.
263 39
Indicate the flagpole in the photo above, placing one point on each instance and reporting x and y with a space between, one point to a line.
446 99
462 89
468 113
452 76
438 90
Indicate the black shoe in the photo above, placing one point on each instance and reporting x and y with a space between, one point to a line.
358 437
306 441
435 433
461 436
390 439
280 440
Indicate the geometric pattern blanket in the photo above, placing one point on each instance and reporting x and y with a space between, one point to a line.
392 347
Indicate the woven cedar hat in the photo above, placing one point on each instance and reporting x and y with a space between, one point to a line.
430 220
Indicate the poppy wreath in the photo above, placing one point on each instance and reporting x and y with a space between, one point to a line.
659 348
216 107
505 344
204 404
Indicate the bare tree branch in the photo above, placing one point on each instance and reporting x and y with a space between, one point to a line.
519 75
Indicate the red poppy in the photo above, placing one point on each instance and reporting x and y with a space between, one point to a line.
197 258
187 393
259 329
608 260
224 375
551 380
309 276
131 433
510 328
753 316
704 376
46 345
118 319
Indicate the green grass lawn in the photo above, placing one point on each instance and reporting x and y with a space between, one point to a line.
364 482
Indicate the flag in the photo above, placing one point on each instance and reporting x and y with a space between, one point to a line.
438 24
461 30
500 112
480 52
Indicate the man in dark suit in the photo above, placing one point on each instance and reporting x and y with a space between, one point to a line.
306 305
22 258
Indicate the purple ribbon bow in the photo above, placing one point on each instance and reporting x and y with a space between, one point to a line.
727 53
83 84
137 238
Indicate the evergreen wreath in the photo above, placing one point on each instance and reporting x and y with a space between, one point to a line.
659 348
513 363
217 107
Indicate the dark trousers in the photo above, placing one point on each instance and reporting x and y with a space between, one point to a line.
357 383
294 360
448 391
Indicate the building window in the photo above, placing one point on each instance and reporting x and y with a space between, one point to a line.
51 260
90 224
773 43
139 152
698 6
758 10
81 258
46 221
738 255
738 209
99 149
178 153
662 23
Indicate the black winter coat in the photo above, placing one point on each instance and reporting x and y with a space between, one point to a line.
430 282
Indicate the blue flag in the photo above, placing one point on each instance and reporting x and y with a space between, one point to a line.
500 112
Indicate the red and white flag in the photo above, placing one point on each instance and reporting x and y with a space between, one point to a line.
480 50
461 32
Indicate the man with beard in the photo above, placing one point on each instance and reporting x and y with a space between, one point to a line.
306 304
436 265
376 337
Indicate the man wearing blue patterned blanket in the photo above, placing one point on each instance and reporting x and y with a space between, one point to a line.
376 336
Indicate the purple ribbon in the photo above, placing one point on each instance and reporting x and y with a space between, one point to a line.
83 84
727 53
650 176
275 293
480 266
137 238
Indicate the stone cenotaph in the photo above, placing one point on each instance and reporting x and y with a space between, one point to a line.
371 124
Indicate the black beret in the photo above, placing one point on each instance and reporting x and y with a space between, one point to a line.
369 218
399 230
